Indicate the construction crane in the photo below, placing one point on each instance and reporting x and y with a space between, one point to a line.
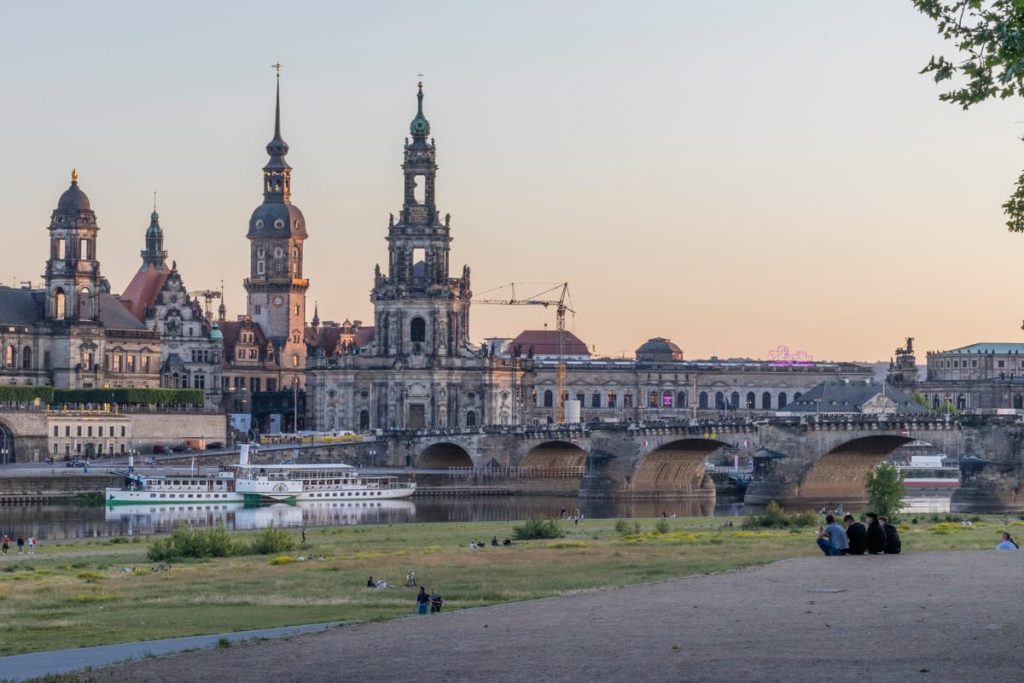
543 298
208 295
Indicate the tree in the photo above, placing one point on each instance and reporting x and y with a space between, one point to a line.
989 36
886 492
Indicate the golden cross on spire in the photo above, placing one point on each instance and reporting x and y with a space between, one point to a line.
277 68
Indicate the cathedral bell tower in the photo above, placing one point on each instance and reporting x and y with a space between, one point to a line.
72 271
419 310
275 288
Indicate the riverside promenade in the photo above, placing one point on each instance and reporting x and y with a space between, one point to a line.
948 616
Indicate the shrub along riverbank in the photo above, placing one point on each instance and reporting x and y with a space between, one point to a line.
106 591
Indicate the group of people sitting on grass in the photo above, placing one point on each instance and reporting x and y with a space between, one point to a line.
877 538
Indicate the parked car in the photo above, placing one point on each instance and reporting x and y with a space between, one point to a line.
160 449
77 462
180 448
214 445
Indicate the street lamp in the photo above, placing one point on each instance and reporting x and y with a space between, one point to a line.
3 449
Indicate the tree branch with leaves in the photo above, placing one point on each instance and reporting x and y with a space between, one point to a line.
989 39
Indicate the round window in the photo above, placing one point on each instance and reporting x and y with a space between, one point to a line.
259 223
279 223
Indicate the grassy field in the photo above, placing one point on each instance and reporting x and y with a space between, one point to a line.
104 591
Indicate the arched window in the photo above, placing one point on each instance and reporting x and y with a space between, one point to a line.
9 356
549 399
936 403
627 399
595 399
84 304
364 420
581 397
766 401
612 399
961 402
418 330
652 399
751 400
702 400
471 418
783 400
797 395
682 400
26 358
734 400
666 399
59 301
719 400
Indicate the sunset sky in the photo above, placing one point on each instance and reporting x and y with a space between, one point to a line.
731 175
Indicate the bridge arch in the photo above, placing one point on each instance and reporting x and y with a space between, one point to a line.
6 444
839 475
555 454
676 468
442 455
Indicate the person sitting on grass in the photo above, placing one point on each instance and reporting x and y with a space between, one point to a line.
1006 542
856 535
832 538
893 545
875 535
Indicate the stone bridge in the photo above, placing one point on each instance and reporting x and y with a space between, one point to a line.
803 462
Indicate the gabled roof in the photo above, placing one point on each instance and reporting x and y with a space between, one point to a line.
545 343
327 337
20 306
232 330
850 397
141 292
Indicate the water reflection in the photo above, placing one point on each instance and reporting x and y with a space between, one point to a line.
56 522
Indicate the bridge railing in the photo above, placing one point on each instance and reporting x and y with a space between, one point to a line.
481 474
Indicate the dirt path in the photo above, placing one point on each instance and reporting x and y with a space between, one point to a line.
919 617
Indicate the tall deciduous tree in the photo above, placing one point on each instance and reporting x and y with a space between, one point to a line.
989 38
886 491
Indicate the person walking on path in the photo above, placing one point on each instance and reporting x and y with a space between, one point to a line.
1006 542
21 544
422 600
31 545
856 535
893 544
7 543
875 535
832 539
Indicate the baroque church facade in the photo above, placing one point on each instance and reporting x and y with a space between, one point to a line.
416 368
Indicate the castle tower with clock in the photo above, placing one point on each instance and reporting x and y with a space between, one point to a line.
275 288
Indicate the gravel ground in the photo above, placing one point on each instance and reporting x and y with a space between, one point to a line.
920 617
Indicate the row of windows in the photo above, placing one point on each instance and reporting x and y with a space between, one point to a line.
110 429
255 383
974 363
97 449
127 362
205 356
667 399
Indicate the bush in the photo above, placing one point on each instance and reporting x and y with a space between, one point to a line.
270 541
662 526
775 517
132 396
537 528
186 543
621 527
13 393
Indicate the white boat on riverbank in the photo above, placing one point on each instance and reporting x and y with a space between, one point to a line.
258 484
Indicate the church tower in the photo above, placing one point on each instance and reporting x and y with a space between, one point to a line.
72 272
420 312
154 254
276 290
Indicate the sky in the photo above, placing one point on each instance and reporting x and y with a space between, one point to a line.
734 176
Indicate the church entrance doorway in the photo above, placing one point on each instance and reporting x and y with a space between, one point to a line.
417 416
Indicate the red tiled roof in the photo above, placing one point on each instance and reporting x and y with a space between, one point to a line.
141 292
545 343
231 329
327 337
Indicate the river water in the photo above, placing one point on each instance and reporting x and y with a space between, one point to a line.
59 522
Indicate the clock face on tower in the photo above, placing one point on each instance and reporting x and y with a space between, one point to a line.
278 300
